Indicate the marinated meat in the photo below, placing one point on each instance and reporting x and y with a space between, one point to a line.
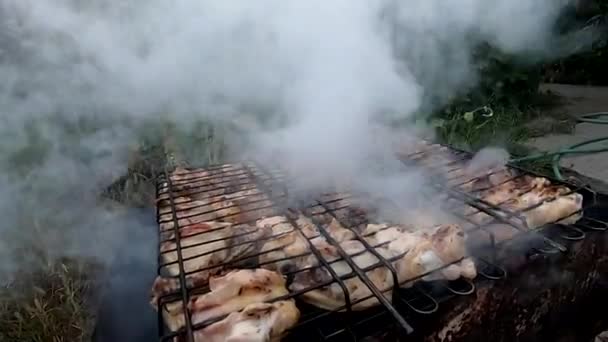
202 245
557 206
332 297
276 249
229 293
537 200
338 232
259 322
207 244
426 250
234 291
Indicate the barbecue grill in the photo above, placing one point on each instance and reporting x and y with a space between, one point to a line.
260 192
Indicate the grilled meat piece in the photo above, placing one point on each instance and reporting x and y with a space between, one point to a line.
236 290
470 182
207 244
416 251
332 297
164 286
211 208
289 243
259 322
540 202
500 194
202 245
286 242
468 269
441 159
557 206
225 210
338 232
172 306
427 250
449 242
228 293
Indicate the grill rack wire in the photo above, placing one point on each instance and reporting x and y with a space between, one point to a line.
344 323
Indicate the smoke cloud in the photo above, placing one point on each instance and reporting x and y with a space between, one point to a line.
312 82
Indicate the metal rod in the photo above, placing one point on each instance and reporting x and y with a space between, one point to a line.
182 276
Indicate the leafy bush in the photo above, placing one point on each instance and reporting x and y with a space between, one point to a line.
589 66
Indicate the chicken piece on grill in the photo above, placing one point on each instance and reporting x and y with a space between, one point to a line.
426 250
181 173
212 208
469 182
399 241
289 245
235 290
419 251
373 228
332 297
307 226
449 242
383 236
229 207
224 211
212 184
229 293
259 322
558 205
441 160
418 260
172 305
536 199
503 192
207 244
338 232
202 245
165 286
276 249
468 269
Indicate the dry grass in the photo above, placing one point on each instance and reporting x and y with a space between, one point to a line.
49 302
54 299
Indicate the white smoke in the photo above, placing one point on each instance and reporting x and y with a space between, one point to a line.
326 72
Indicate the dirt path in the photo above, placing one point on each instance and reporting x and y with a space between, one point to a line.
579 100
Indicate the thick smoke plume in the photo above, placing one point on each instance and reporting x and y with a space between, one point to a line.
311 81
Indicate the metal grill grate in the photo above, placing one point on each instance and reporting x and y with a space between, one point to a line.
243 193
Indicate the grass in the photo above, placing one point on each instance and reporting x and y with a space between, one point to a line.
49 302
504 126
53 297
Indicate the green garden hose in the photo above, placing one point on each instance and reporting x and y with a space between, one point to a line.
595 118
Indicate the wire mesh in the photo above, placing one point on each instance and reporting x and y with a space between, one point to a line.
241 194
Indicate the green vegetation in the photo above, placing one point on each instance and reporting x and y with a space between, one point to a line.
505 126
505 109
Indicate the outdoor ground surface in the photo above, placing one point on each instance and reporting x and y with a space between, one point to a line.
578 100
